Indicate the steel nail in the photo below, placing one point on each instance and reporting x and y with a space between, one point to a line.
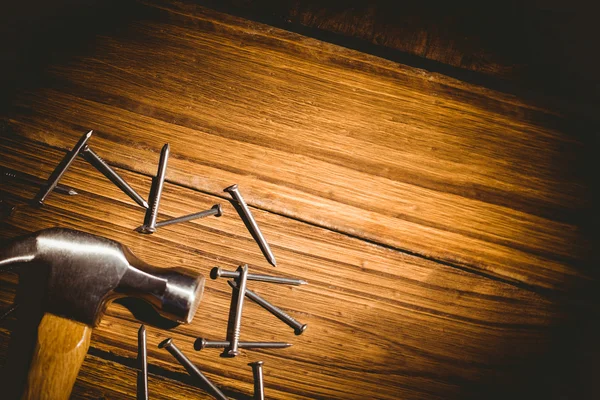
218 272
259 385
299 327
101 165
10 310
34 180
251 224
232 350
60 170
142 377
215 210
157 187
191 368
202 343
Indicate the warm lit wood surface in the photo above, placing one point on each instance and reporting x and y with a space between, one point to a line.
442 226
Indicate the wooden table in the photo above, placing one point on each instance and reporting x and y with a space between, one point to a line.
445 229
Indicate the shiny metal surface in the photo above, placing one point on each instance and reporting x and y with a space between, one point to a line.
191 368
86 272
33 180
215 210
142 377
60 170
246 215
202 343
218 272
97 162
299 327
259 384
156 192
232 350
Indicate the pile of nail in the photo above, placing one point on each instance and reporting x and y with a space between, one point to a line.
239 278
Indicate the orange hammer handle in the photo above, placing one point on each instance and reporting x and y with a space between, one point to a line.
59 352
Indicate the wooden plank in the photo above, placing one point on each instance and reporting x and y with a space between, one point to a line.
452 37
382 324
329 136
96 371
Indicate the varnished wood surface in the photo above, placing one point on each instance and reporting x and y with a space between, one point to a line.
442 226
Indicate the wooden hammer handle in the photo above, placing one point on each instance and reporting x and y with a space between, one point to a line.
59 352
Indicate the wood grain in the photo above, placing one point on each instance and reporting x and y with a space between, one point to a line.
442 226
420 163
398 324
59 352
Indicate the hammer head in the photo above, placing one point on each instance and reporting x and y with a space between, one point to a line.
85 272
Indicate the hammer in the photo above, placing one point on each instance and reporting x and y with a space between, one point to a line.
84 274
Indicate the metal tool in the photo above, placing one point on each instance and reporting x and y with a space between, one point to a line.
82 273
142 377
259 385
34 180
250 223
88 271
215 210
202 343
218 272
60 170
299 327
101 165
191 368
232 350
155 193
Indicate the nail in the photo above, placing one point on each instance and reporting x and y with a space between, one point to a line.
34 180
215 210
101 165
299 327
259 385
191 368
252 226
157 187
202 343
9 311
142 378
232 350
60 170
217 272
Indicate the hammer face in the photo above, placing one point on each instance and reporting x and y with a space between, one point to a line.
85 272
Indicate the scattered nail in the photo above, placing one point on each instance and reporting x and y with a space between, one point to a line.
251 224
101 165
299 327
218 272
215 210
60 170
191 368
157 187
